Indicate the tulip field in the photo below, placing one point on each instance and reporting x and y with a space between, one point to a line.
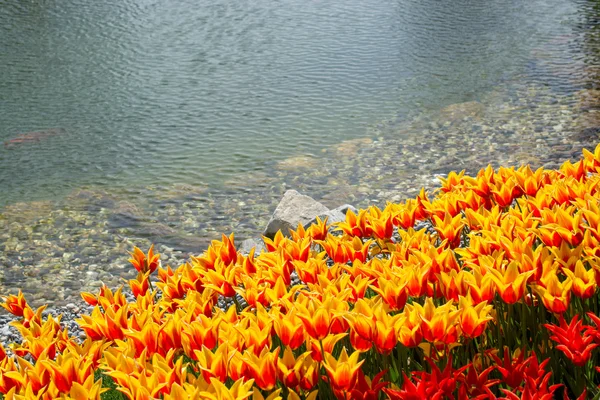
494 296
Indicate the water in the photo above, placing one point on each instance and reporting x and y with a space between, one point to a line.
196 105
188 91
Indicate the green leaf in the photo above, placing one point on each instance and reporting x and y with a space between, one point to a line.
108 382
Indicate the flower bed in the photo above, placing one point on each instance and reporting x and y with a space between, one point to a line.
495 297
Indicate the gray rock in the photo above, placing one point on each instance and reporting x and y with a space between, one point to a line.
293 208
338 214
247 245
459 111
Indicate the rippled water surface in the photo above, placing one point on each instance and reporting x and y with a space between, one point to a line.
143 121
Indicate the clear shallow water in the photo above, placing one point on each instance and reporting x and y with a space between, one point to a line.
195 92
180 120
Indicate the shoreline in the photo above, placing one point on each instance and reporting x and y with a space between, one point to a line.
74 245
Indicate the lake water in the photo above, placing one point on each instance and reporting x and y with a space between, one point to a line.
172 121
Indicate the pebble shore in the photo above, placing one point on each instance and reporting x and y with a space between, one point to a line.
53 250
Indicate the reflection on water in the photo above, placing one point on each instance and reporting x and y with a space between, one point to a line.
176 121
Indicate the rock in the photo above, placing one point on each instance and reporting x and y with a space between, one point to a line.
338 214
588 134
247 245
294 163
590 119
352 146
587 99
459 111
294 208
155 229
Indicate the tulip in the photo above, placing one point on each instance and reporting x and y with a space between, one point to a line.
356 225
318 348
289 368
510 283
574 340
145 262
452 180
318 230
393 293
584 282
240 390
381 224
449 228
289 329
140 285
556 295
504 193
452 285
511 368
591 160
438 323
15 305
213 365
409 390
473 319
367 389
263 368
342 372
404 215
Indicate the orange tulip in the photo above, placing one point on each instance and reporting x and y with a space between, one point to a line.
504 193
240 390
556 295
481 287
145 263
263 368
318 230
454 284
584 282
509 282
591 161
384 334
289 368
222 279
15 304
289 328
356 225
308 271
452 180
438 323
393 293
66 370
449 228
409 328
314 346
404 214
140 285
213 365
473 318
318 319
342 372
202 332
481 184
381 223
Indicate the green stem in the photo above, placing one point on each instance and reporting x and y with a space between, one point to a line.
524 321
509 321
